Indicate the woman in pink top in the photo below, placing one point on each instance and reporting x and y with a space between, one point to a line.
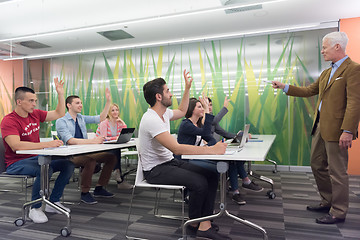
111 128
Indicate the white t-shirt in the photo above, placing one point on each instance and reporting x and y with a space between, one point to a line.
152 153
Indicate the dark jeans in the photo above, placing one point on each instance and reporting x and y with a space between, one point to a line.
30 166
201 183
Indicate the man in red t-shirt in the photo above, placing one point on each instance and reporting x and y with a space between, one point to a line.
20 131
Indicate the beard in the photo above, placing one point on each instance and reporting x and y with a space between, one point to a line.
166 102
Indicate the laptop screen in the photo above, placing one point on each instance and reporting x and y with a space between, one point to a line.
245 135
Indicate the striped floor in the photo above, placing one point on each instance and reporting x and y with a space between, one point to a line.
284 217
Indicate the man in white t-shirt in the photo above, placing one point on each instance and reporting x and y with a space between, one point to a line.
157 147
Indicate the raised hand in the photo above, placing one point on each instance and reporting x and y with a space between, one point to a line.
188 79
107 95
226 102
59 86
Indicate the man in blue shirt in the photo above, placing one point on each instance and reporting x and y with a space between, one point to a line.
72 130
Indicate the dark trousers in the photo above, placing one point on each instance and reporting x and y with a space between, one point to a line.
201 183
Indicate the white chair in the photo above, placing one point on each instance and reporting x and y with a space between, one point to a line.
141 182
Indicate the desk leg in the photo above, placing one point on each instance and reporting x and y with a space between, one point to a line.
222 169
271 193
44 161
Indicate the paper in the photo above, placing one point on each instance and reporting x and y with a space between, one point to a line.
229 152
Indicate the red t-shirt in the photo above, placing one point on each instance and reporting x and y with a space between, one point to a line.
27 128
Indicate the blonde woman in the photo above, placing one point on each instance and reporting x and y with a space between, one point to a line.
110 128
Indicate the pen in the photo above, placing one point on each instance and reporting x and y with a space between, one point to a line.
57 138
223 140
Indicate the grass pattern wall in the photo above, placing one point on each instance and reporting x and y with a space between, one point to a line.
237 68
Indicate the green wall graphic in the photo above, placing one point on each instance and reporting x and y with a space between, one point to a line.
238 68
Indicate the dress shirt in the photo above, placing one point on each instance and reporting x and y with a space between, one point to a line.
65 126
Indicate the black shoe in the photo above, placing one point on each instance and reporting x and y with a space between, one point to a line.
318 208
191 231
239 199
252 187
211 234
329 219
215 227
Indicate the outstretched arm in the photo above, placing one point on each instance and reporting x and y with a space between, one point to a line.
181 111
104 113
60 108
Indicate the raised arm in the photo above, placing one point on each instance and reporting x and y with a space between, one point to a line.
181 111
104 113
60 108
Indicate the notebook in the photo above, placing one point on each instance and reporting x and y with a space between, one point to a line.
125 136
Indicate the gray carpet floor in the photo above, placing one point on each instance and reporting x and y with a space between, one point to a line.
284 217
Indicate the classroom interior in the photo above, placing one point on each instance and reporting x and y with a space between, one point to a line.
231 48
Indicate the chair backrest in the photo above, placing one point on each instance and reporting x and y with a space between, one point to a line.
139 171
2 156
54 134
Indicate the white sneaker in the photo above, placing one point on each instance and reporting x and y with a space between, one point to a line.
37 215
116 176
125 185
50 209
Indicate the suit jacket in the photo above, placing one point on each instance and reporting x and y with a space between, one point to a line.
340 108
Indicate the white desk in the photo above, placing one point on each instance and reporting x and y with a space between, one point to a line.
252 151
45 159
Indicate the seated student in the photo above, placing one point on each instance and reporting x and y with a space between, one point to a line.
235 167
195 128
110 129
72 130
157 147
20 131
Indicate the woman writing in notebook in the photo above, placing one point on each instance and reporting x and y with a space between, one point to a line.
111 128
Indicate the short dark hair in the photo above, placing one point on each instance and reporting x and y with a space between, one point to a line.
20 92
151 88
190 110
69 100
209 100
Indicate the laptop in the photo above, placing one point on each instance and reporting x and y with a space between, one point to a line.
244 136
124 137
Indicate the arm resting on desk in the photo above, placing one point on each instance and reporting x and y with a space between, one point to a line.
15 144
170 143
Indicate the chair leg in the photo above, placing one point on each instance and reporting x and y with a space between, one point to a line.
128 220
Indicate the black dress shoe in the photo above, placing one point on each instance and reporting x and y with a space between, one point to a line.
211 233
191 231
215 227
329 219
318 208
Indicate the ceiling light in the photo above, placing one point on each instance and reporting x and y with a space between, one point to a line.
182 40
141 20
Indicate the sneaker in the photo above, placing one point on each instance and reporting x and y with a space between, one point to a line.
87 198
125 185
101 192
50 209
116 176
211 234
37 215
253 187
239 199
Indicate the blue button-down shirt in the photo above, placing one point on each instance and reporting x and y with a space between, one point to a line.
65 126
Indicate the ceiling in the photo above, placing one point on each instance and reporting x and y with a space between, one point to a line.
68 27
